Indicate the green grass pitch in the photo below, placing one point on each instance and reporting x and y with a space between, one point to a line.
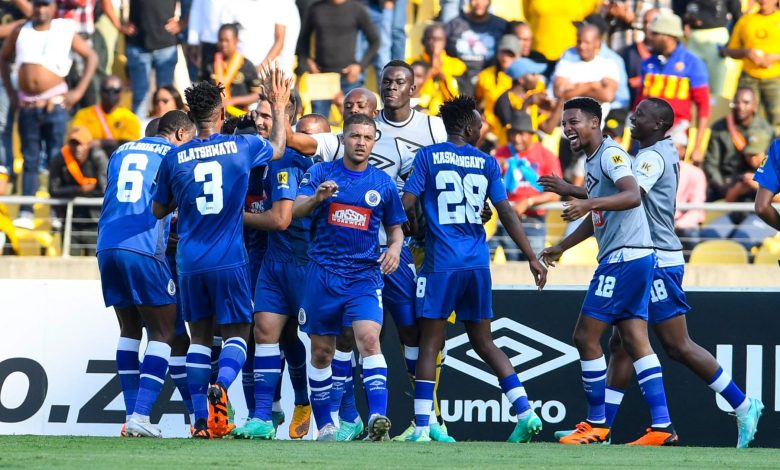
30 452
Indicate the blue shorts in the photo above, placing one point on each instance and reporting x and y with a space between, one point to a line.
620 291
332 301
279 287
254 269
468 292
667 297
223 294
181 327
399 290
129 278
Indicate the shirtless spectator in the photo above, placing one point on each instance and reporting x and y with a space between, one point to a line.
42 48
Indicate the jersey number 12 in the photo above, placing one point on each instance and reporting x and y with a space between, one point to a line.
463 201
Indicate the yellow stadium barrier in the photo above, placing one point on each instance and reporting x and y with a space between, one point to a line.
583 254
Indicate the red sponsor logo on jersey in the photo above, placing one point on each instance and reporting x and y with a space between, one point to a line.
345 215
598 218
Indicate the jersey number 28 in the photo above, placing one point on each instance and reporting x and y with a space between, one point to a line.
460 200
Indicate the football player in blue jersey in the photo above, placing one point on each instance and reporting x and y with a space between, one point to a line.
134 274
452 181
768 178
348 199
206 180
277 293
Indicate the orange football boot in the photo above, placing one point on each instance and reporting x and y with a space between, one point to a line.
218 422
657 437
584 433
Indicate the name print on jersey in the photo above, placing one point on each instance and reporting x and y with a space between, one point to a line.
348 216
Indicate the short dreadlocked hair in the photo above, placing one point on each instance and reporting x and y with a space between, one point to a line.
458 114
204 99
586 105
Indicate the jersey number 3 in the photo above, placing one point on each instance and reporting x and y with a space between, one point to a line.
211 202
460 200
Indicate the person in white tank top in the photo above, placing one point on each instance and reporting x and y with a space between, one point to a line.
42 48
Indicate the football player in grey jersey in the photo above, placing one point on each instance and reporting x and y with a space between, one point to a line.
619 293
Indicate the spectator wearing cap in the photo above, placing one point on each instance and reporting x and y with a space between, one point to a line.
523 161
109 124
756 40
622 94
552 24
728 140
441 82
41 49
79 170
592 75
635 54
707 20
527 94
473 37
493 81
676 75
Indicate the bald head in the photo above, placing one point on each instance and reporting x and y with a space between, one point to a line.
360 101
588 42
312 124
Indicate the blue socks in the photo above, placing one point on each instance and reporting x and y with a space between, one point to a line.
651 381
248 386
348 410
721 383
198 375
410 357
612 399
320 384
341 367
267 374
177 368
296 368
128 366
515 393
153 372
375 384
423 402
231 361
594 381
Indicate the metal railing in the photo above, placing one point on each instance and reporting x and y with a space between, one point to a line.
67 232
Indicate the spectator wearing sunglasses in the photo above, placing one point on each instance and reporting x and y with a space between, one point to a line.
109 123
165 98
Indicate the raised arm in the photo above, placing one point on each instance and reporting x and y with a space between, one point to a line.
278 86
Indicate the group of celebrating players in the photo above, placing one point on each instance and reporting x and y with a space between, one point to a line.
179 241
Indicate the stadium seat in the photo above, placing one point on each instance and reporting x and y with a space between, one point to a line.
583 254
765 255
709 215
719 252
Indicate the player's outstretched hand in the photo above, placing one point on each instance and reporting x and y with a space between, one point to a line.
389 260
280 87
549 256
576 209
325 190
486 213
555 184
539 272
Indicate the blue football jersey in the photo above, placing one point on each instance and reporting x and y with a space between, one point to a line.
281 182
345 227
768 174
126 220
452 184
208 179
256 241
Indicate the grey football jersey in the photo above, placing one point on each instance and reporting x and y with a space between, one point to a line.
614 230
657 170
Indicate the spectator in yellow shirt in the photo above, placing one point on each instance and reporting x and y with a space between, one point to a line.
552 23
109 124
444 71
756 40
493 81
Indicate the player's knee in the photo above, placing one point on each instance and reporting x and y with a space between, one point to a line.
321 356
368 343
615 344
409 335
483 348
580 339
678 351
346 341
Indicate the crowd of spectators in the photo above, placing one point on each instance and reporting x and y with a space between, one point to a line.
83 76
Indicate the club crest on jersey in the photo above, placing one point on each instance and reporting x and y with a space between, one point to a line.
344 215
598 218
301 316
372 198
171 287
